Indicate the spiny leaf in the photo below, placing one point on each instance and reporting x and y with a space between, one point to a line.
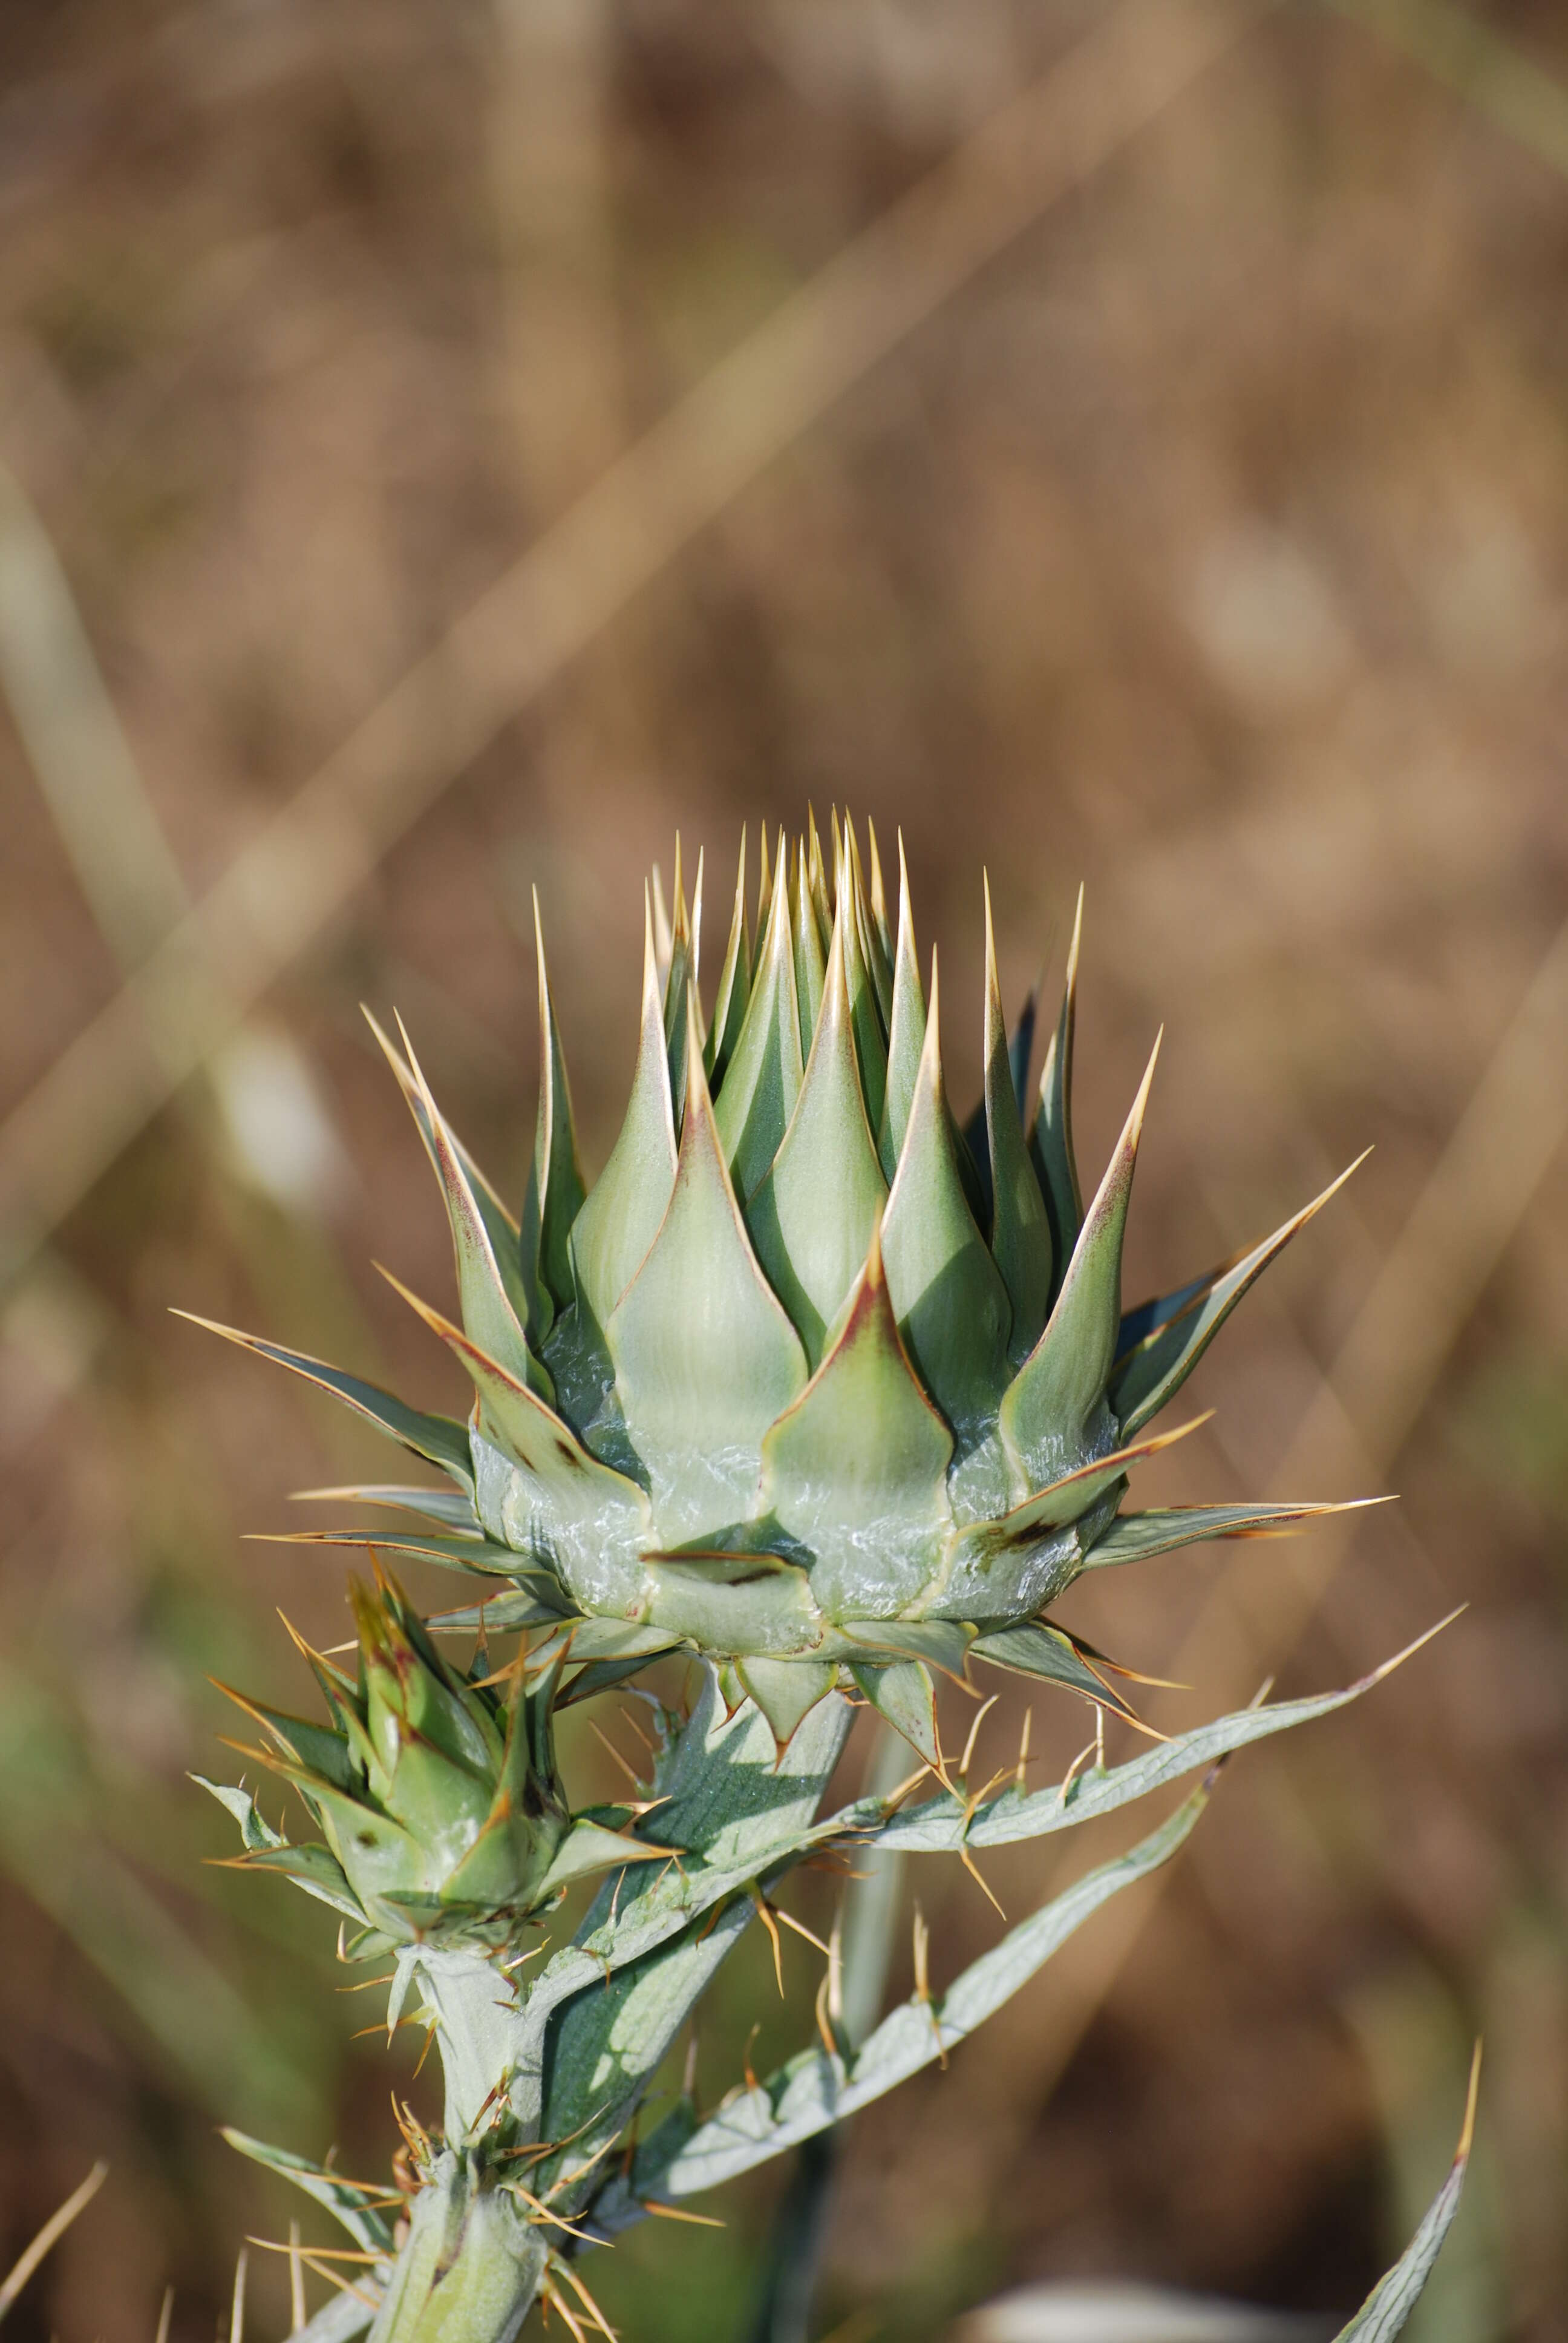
808 956
734 984
953 1306
620 1219
1051 1141
1035 1650
315 1747
874 946
699 1338
1134 1537
1161 1364
817 882
435 1437
759 1090
448 1506
857 1468
679 985
1149 1316
905 1695
941 1644
483 1555
1020 1232
1054 1416
497 1615
906 1031
878 896
344 2199
813 2091
589 1847
866 1014
941 1825
764 887
785 1691
1019 1048
558 1189
492 1285
1385 2310
812 1215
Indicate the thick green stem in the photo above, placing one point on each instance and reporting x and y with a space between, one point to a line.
477 2022
471 2263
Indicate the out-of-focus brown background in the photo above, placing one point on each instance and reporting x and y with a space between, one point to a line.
1164 483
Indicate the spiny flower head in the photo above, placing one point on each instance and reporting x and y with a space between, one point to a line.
813 1380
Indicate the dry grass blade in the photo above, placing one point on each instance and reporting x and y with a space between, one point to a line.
53 2230
282 890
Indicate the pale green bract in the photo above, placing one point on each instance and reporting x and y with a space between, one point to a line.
811 1381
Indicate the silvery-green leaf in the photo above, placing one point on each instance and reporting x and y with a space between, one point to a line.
905 1695
763 1081
679 986
705 1355
1021 1233
1032 1649
453 1508
557 1188
941 1825
480 1554
866 1012
318 1747
878 895
811 1216
314 1868
344 2199
906 1031
524 1606
1385 2310
620 1219
490 1290
734 1806
813 2091
1055 1416
435 1437
256 1832
857 1468
817 882
1019 1048
1149 1316
500 1228
810 957
785 1691
1161 1364
1134 1537
734 985
875 948
1051 1141
589 1847
951 1305
941 1644
597 1639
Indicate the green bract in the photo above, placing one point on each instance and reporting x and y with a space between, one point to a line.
811 1381
444 1814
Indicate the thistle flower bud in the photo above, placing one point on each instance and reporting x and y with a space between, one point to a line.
441 1804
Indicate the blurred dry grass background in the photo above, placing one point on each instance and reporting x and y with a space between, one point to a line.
1128 446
